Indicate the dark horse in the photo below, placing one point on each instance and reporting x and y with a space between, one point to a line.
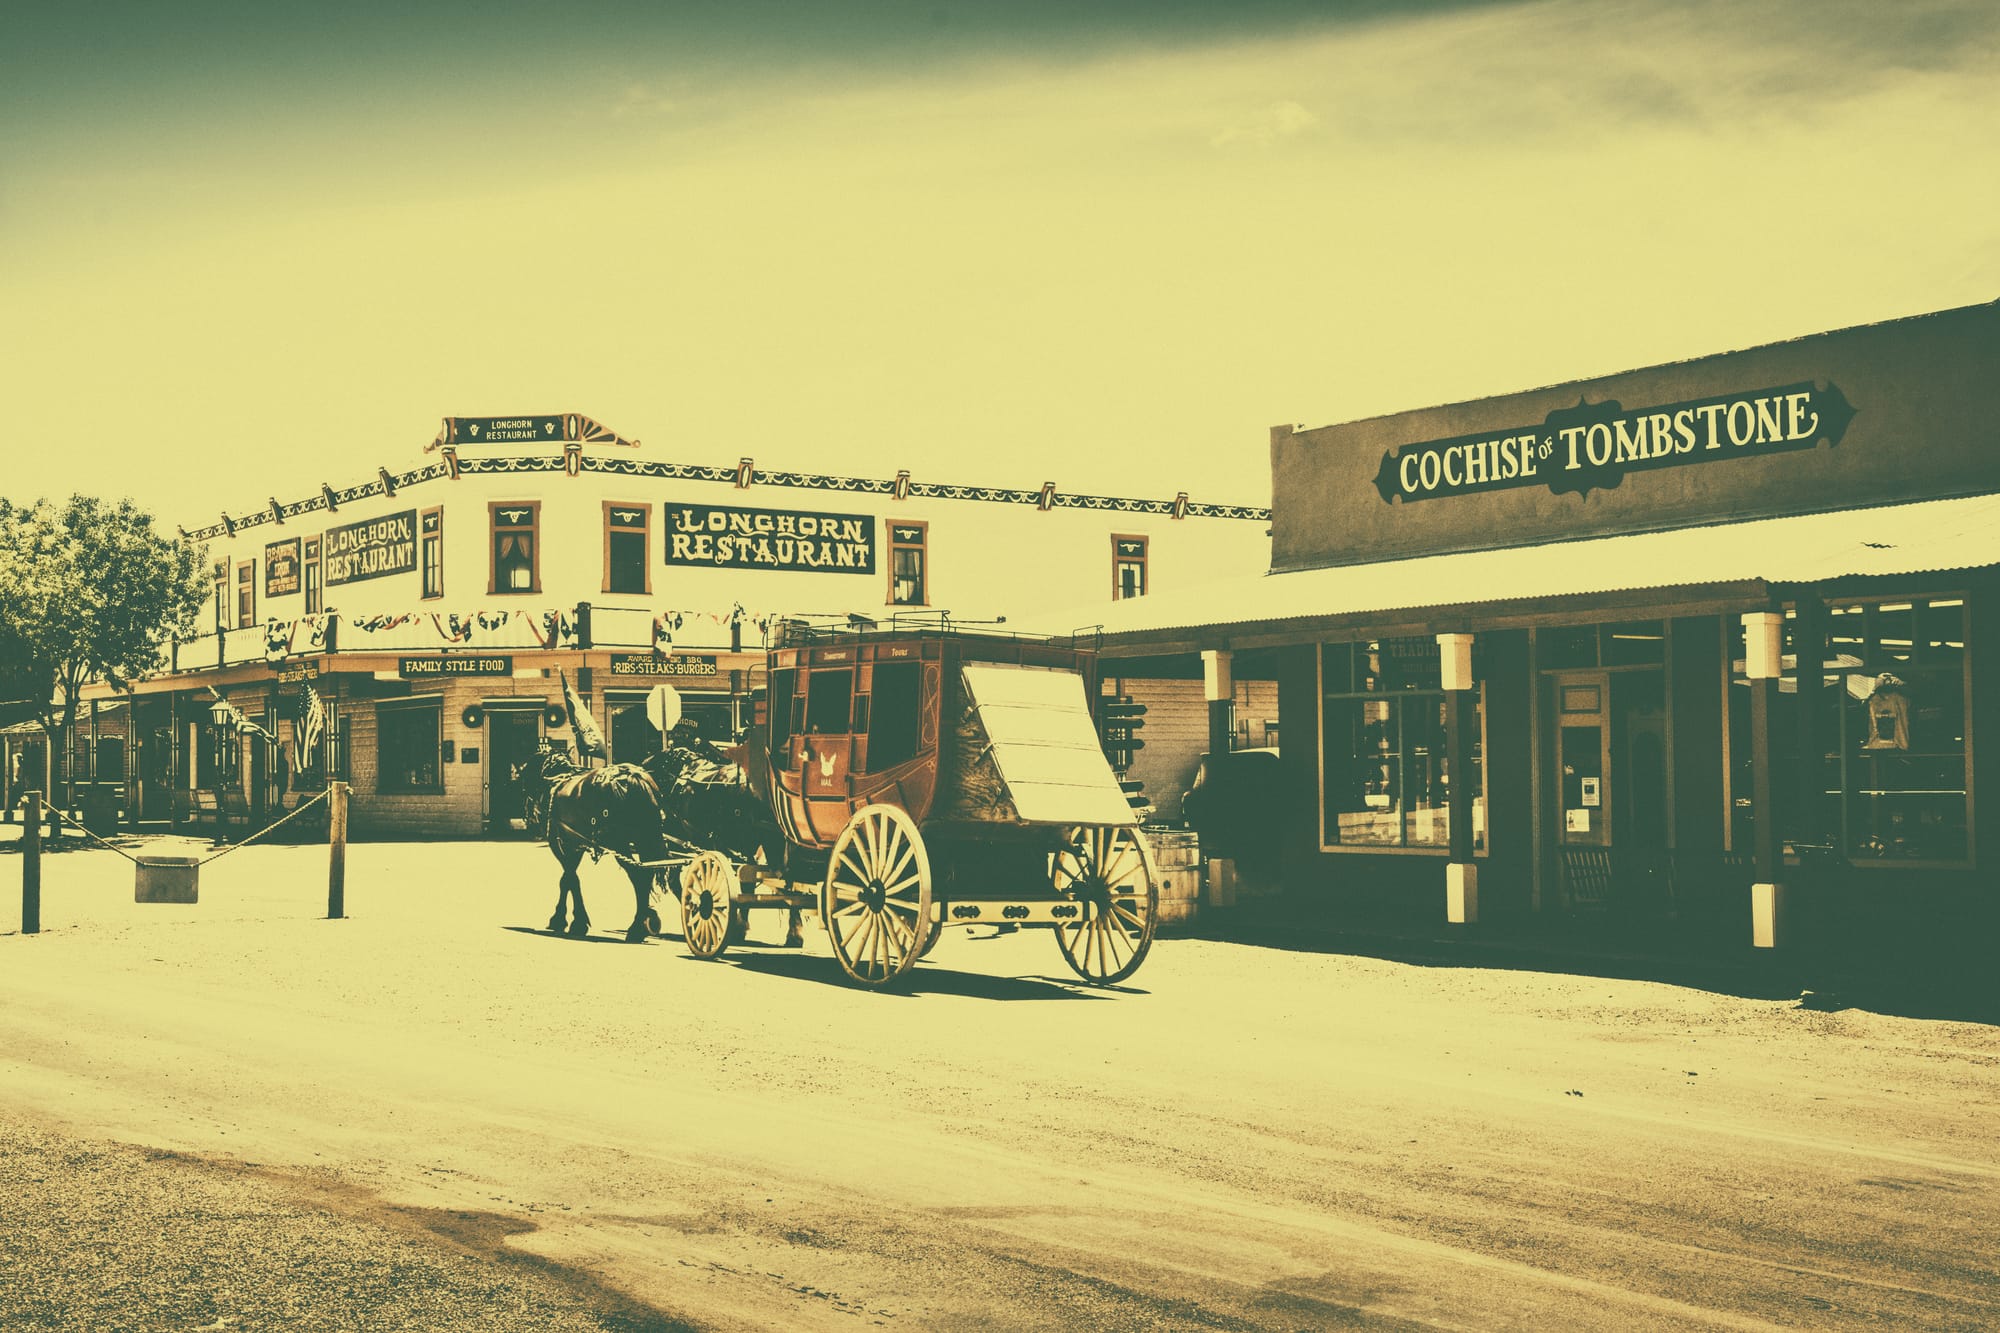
707 803
597 810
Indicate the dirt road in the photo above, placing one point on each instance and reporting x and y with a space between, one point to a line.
432 1115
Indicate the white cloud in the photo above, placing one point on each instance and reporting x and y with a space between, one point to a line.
1279 120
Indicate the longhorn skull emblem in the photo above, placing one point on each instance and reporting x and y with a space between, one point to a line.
826 763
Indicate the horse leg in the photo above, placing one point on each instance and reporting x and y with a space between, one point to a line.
579 923
560 920
794 937
643 915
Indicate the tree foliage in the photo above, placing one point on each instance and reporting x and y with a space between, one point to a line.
89 591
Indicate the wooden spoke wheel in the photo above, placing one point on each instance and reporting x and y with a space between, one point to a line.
876 899
1109 873
931 940
706 884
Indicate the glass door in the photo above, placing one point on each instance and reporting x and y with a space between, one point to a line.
1583 785
1583 759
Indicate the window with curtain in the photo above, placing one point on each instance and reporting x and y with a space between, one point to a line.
515 548
908 580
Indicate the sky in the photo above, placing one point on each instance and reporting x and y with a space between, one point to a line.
246 248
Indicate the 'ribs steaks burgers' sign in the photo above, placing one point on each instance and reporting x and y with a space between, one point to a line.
727 537
1593 445
371 549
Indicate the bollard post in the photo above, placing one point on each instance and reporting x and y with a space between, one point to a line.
336 857
31 866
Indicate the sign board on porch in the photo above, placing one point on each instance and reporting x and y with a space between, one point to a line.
291 673
645 664
426 668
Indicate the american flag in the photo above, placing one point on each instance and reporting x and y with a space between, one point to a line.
589 740
308 730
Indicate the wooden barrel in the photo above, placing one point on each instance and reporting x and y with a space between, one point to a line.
1177 858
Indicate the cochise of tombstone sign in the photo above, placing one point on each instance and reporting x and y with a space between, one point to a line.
1593 445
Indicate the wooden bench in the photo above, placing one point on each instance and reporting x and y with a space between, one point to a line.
1586 873
204 811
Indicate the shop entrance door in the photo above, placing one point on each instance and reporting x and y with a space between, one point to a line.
152 760
1583 787
512 735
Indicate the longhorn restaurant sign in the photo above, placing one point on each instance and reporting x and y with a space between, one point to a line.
729 537
1593 445
371 549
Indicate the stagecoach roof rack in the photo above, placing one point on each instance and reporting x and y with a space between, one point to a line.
834 627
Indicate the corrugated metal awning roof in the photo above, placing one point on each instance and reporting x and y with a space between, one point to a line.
1803 548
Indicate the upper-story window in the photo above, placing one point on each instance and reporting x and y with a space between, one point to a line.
909 574
309 563
246 594
430 542
516 546
625 543
1128 567
221 573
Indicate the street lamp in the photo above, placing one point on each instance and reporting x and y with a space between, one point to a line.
223 716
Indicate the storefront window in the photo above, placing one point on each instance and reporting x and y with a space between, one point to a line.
1385 781
1889 730
1895 743
406 756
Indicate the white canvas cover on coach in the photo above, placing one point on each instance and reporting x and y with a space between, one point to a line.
1041 740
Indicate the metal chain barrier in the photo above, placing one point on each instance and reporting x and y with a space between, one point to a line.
61 818
300 809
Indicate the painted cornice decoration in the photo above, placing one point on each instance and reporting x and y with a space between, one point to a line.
1042 497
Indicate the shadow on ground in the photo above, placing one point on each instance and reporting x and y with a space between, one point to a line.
1847 975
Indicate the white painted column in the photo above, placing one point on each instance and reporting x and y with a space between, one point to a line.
1218 687
1461 873
1763 663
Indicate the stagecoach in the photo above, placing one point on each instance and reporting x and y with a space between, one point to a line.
928 779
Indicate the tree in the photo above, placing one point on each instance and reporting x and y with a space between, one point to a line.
89 591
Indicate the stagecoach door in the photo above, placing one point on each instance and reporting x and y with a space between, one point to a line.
512 735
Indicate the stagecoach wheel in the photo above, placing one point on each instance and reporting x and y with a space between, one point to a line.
1108 873
706 883
876 900
931 940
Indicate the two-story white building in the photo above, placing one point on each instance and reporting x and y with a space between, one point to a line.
431 613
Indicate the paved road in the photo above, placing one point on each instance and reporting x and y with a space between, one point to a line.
432 1115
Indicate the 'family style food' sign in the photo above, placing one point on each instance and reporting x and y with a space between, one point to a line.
728 537
1593 445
